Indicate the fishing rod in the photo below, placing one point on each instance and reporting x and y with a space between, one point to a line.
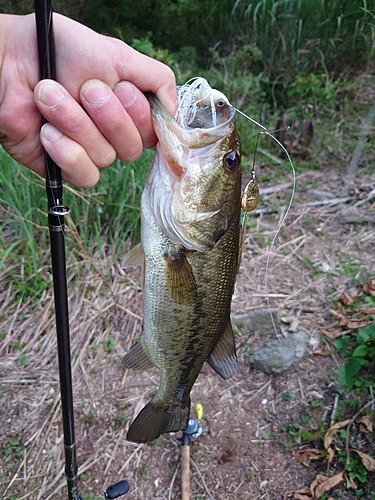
194 430
56 212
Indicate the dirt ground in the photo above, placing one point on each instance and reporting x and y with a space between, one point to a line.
247 454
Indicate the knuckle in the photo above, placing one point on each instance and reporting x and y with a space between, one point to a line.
105 158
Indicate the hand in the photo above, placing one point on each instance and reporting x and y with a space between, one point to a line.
96 112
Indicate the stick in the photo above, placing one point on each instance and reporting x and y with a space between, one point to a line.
366 129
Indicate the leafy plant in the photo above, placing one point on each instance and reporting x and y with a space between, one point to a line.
360 355
109 345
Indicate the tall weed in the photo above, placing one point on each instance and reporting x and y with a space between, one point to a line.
105 215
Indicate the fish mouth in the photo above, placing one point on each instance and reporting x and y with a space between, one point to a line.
208 116
194 127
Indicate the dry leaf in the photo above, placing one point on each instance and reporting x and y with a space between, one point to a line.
322 352
346 300
328 438
298 495
351 483
367 461
293 322
354 324
301 496
365 423
333 334
369 311
369 286
305 456
322 484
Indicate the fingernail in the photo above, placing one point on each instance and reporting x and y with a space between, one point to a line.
125 93
95 94
50 133
51 94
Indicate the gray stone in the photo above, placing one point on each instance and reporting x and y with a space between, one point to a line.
278 355
353 215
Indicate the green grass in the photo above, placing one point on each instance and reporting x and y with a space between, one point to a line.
106 216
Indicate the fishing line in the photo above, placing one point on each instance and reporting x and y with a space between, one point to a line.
266 279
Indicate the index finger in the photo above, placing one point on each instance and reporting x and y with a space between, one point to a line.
147 74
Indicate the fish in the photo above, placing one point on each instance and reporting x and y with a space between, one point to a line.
189 253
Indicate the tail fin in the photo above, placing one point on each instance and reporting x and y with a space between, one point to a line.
155 419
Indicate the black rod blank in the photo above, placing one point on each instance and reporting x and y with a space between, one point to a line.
56 212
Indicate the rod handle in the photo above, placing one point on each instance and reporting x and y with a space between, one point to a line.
185 472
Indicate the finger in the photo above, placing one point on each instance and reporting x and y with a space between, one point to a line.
62 111
148 75
76 166
112 119
138 108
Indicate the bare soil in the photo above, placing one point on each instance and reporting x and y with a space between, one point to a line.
247 454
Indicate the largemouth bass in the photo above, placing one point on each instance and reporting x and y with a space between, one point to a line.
189 252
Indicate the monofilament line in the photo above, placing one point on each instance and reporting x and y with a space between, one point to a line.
265 132
278 229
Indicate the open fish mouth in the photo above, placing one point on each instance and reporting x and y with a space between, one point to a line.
203 114
200 106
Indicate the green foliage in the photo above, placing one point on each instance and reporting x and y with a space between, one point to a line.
310 94
22 360
90 496
109 212
109 345
359 352
354 467
146 46
286 396
13 448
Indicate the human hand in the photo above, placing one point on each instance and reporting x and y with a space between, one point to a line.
96 112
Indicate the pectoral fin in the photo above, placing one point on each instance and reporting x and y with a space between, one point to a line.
223 357
138 357
180 278
135 257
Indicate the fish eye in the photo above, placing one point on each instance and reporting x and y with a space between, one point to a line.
232 161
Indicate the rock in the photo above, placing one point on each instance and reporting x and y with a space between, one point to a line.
278 355
352 215
256 321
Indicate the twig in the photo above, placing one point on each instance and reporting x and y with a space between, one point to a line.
331 201
113 454
275 189
271 156
366 129
172 483
202 478
334 410
352 420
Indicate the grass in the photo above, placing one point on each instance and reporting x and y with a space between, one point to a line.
107 214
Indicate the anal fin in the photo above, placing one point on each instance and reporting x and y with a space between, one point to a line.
223 358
